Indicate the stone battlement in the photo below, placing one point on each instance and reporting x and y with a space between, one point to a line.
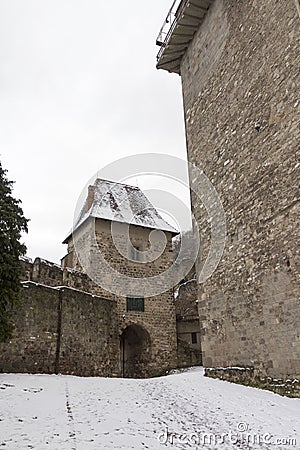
50 274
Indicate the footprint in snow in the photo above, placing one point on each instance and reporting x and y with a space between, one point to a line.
34 390
6 385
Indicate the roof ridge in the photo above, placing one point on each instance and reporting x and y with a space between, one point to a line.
117 182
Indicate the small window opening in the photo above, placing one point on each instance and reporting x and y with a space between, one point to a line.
135 303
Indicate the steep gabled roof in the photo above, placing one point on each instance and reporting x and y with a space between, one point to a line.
123 203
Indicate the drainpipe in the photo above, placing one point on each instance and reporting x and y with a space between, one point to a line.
298 6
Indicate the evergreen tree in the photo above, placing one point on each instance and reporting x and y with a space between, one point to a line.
12 223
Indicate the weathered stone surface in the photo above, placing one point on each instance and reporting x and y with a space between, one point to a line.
89 335
241 84
62 330
46 272
158 318
186 299
187 323
33 347
92 332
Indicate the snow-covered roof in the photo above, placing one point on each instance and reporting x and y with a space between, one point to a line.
122 203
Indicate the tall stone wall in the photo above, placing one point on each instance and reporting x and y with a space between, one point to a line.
89 343
62 331
33 346
241 84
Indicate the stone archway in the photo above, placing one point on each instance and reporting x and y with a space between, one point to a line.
135 352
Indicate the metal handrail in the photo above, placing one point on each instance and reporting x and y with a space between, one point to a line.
169 23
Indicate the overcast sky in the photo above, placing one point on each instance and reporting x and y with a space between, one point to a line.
79 89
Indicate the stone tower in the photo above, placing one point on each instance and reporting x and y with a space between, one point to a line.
123 244
239 65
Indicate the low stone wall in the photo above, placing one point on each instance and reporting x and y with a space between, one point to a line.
248 376
62 330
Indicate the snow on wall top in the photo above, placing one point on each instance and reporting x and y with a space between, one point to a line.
123 203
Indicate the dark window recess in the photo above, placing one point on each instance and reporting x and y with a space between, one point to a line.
194 338
135 303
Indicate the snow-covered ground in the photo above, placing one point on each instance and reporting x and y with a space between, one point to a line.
181 411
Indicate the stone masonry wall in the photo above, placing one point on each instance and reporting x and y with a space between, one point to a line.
62 330
159 315
241 84
33 347
89 335
46 272
158 319
50 274
187 322
27 267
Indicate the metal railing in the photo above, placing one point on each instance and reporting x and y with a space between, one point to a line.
169 25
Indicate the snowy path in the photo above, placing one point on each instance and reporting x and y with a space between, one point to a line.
63 413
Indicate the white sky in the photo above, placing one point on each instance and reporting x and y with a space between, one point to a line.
78 90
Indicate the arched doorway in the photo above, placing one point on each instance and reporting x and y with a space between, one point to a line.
135 352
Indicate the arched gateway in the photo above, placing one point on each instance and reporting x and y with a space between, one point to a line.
135 349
